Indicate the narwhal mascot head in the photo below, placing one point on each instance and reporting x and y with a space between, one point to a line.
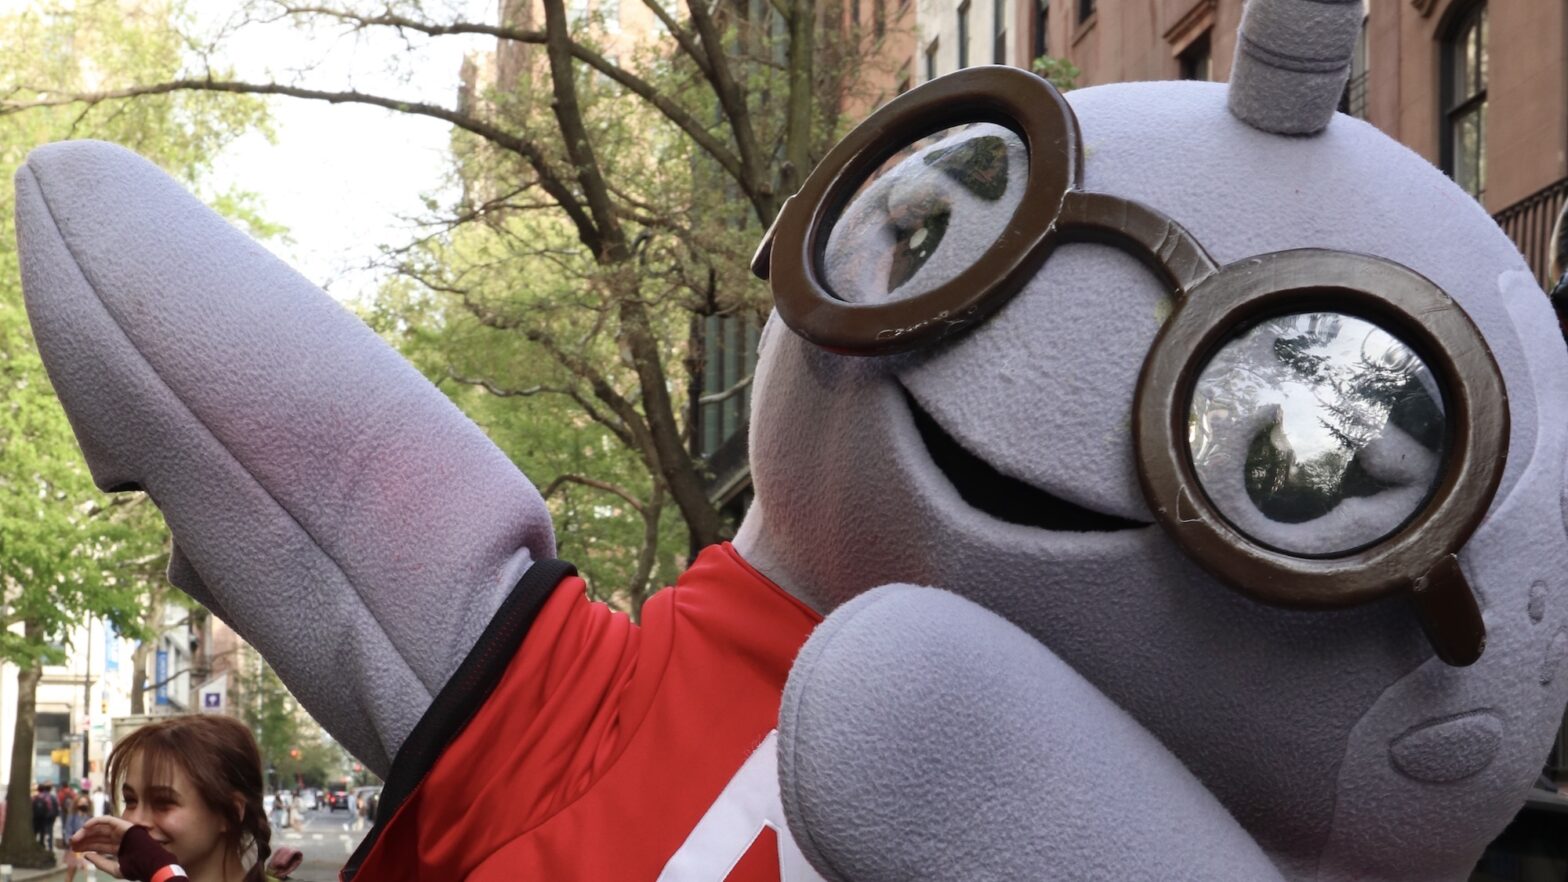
1202 487
1232 429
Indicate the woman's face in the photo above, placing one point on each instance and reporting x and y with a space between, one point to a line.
178 818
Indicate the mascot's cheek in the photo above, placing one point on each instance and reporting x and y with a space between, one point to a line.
1564 497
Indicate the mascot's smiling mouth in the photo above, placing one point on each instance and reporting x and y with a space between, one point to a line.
1001 497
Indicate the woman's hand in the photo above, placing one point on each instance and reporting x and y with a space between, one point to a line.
99 842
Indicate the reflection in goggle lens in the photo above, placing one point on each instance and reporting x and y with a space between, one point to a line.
1316 433
887 242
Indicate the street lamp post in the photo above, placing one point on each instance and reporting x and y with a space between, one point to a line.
87 706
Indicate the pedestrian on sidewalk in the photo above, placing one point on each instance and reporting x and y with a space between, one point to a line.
45 810
66 797
191 788
80 812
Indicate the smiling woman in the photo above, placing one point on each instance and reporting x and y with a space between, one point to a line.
190 791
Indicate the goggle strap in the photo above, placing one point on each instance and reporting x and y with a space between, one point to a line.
762 259
1448 613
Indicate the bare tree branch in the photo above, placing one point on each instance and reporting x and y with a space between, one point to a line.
548 179
732 101
637 435
693 51
646 556
597 484
716 397
614 426
574 135
586 54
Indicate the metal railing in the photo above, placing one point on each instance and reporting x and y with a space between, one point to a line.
1354 99
1529 223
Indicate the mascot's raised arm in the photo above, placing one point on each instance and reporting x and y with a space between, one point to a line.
1233 430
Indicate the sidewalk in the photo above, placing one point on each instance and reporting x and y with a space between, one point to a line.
52 875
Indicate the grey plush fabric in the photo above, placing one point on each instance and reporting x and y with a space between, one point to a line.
325 500
1335 739
1134 716
1008 766
1292 61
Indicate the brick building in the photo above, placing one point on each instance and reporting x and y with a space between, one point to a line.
1480 89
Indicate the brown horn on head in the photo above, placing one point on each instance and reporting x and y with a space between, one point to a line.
1292 60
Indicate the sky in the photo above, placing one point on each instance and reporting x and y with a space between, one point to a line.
343 179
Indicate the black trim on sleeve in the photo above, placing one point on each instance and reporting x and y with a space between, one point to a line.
463 695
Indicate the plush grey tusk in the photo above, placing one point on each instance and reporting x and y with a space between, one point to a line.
1292 60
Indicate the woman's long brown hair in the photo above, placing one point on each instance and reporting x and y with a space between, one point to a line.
220 757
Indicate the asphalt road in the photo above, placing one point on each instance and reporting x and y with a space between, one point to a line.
326 839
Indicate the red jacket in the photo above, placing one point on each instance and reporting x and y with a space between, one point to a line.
609 751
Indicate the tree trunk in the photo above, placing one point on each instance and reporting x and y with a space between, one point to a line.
650 550
156 607
139 679
18 846
802 79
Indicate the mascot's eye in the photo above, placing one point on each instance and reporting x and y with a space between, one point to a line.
1317 433
925 214
917 231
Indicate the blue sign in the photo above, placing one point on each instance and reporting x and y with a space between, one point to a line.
111 646
212 699
161 676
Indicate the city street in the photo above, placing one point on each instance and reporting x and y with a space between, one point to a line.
326 838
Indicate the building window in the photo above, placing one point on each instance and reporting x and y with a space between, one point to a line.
963 35
1354 101
730 355
1464 101
879 17
1196 60
999 32
931 61
1085 9
1042 28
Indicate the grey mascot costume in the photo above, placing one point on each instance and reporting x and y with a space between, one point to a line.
1233 430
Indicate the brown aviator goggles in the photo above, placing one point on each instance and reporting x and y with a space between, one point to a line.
1317 429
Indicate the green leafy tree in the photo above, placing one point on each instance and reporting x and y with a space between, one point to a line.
1061 73
613 197
272 714
65 551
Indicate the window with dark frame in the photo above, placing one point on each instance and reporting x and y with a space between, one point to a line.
1085 9
931 61
1197 60
1042 28
729 356
1354 101
999 31
1463 92
963 35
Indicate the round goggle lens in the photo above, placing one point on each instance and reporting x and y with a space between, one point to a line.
1317 433
925 215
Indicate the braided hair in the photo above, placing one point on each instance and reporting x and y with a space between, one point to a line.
220 757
